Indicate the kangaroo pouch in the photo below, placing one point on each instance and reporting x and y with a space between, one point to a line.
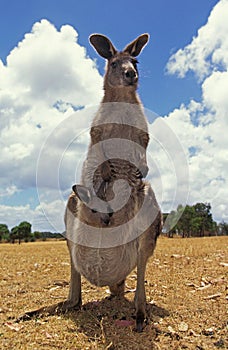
105 266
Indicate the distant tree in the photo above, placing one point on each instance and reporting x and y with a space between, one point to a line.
4 231
169 223
37 234
195 220
204 217
25 230
20 232
223 228
14 235
173 221
185 224
214 228
195 224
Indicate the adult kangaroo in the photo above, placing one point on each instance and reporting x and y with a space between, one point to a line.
112 217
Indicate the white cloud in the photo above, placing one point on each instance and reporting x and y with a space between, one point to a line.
201 126
45 79
13 215
208 50
49 216
9 191
50 65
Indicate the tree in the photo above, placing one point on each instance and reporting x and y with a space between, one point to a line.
4 231
185 225
223 228
14 234
37 234
169 223
190 220
20 232
204 217
25 230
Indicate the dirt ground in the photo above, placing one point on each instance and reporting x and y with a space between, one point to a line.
186 287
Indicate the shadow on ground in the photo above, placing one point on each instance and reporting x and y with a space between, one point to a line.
113 320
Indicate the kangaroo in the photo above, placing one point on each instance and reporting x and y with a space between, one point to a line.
112 218
107 242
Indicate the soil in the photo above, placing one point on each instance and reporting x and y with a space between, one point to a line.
186 288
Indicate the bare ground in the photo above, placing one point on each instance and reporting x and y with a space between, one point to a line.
186 286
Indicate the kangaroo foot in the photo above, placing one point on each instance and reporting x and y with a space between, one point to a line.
140 321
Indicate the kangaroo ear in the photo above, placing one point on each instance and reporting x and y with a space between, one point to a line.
135 47
82 192
102 45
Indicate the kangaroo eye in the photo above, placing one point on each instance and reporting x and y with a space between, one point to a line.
94 210
114 64
134 61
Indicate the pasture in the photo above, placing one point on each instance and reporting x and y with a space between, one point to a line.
186 289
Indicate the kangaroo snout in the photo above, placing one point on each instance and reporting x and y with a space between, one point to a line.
130 76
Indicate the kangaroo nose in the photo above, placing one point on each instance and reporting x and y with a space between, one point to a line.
130 74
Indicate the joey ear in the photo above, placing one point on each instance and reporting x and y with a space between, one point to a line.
136 46
102 45
82 192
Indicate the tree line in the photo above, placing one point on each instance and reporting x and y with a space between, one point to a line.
23 233
193 221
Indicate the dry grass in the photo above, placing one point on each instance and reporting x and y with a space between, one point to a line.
186 296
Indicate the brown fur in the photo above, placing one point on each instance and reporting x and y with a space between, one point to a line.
110 265
120 114
105 241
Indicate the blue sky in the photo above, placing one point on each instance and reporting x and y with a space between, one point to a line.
182 79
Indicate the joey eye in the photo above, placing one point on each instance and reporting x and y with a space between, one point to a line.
93 210
114 64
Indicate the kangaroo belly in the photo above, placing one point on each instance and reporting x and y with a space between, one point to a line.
105 266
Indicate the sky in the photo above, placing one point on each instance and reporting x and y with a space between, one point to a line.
51 86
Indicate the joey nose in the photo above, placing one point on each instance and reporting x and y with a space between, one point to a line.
106 220
143 171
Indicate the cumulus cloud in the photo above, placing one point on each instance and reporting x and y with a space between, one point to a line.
49 65
13 215
201 126
47 78
208 51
